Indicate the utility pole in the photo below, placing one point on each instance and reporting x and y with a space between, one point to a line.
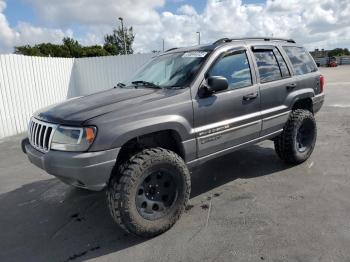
121 21
199 37
163 45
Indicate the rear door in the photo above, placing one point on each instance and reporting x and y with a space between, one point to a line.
305 70
230 117
275 85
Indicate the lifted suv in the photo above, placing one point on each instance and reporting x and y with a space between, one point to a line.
184 107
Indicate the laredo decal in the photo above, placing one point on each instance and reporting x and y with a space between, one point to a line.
213 130
210 139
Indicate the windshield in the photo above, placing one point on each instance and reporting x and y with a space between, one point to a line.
170 70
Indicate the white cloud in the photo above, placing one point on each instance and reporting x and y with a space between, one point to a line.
6 34
25 33
29 34
315 23
187 10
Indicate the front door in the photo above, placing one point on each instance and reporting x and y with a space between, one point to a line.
231 117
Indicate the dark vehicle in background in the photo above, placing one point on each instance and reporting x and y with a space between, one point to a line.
185 107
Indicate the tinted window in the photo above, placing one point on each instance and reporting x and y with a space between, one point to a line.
235 67
301 60
267 65
282 64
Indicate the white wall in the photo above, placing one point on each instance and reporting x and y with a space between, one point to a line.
101 73
30 83
27 84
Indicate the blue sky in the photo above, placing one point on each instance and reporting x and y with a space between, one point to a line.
18 10
21 11
199 5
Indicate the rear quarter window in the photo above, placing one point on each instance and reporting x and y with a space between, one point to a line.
271 64
301 60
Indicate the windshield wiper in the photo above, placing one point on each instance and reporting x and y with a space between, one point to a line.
120 85
145 83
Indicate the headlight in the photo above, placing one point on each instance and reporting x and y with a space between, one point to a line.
73 138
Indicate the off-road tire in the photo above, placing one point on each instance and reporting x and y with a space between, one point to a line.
122 190
286 144
276 142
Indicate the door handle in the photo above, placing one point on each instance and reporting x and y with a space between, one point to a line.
250 96
291 86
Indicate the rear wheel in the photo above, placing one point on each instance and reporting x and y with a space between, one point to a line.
151 194
297 141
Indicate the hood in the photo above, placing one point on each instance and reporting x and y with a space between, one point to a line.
78 110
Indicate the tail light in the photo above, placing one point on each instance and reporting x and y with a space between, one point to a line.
321 83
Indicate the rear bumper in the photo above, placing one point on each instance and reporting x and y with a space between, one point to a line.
90 170
317 102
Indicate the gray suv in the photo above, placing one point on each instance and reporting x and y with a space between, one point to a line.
186 106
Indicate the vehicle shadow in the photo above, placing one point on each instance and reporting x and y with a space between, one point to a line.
49 221
253 161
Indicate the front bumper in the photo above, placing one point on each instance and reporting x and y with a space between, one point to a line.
90 170
317 102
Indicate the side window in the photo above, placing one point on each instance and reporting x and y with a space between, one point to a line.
235 67
271 65
283 66
300 59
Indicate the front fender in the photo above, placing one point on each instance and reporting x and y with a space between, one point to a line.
114 134
155 124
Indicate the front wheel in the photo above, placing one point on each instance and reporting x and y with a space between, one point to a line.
151 194
297 141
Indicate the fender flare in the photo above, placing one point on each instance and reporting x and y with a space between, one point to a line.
298 95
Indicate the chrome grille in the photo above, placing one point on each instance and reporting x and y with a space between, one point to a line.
40 134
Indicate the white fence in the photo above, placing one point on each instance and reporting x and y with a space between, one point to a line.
30 83
100 73
341 60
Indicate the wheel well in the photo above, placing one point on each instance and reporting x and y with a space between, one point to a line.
167 139
305 103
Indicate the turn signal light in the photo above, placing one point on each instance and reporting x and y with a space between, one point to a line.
90 134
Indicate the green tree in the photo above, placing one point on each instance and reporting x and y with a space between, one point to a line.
45 49
114 45
27 50
117 39
110 48
93 51
53 50
338 52
69 48
73 47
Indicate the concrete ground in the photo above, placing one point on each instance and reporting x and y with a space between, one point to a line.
246 206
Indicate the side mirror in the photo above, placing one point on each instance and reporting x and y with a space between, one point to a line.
217 83
214 85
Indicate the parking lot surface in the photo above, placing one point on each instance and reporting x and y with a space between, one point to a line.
246 206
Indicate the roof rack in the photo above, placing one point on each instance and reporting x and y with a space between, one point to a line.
226 40
171 49
222 40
